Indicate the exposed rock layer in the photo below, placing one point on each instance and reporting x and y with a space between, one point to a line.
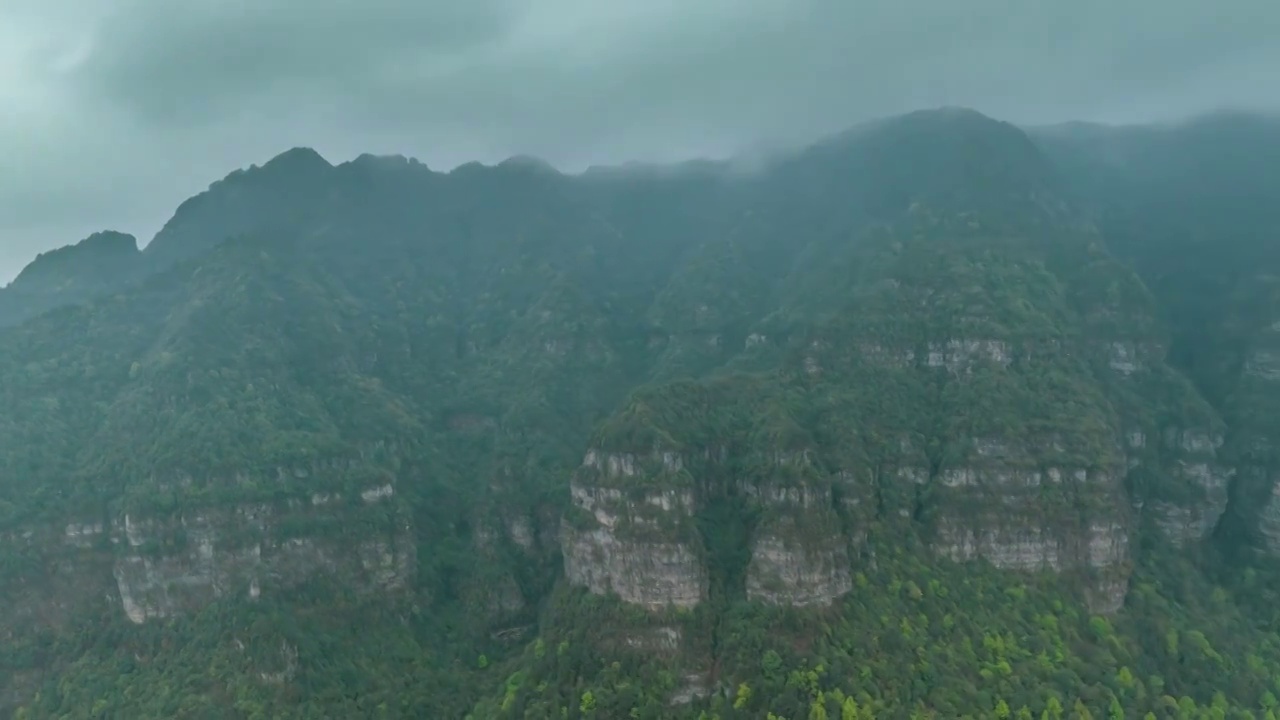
161 566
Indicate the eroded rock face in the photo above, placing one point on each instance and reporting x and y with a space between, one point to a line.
142 568
1127 358
799 553
1000 505
1253 442
1264 364
652 574
247 550
503 538
640 543
787 571
959 354
660 640
633 537
1269 519
1174 438
1191 490
1195 520
157 567
1099 552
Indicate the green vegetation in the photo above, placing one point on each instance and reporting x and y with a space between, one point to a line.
917 639
308 454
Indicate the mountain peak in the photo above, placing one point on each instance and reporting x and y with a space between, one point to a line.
300 158
529 162
946 124
111 241
70 275
951 158
241 201
952 113
107 248
385 161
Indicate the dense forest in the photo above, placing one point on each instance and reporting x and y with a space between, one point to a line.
936 418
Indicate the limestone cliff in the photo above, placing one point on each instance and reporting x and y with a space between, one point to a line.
638 542
1252 410
170 565
799 553
1002 504
158 566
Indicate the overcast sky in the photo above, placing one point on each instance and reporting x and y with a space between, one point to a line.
114 111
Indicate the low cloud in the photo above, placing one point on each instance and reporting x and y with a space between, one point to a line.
113 111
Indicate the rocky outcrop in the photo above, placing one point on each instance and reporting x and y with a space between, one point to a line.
635 536
959 354
1268 522
786 570
157 566
512 546
1184 482
1194 472
1002 504
1252 411
176 564
638 542
1173 437
631 531
1263 360
1052 500
799 553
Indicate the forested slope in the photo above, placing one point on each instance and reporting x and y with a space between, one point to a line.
920 421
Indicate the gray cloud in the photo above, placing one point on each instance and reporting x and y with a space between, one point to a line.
189 61
113 111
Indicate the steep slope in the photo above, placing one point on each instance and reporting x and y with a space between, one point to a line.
282 416
981 391
280 195
284 192
882 429
1195 208
1013 365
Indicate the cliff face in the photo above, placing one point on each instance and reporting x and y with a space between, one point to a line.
636 530
217 562
1257 401
1252 408
160 566
800 547
1008 508
145 568
638 542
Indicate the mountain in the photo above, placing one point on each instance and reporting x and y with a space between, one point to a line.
937 417
71 275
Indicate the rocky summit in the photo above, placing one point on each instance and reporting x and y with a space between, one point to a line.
939 417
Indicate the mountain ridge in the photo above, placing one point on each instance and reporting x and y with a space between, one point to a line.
299 162
570 446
